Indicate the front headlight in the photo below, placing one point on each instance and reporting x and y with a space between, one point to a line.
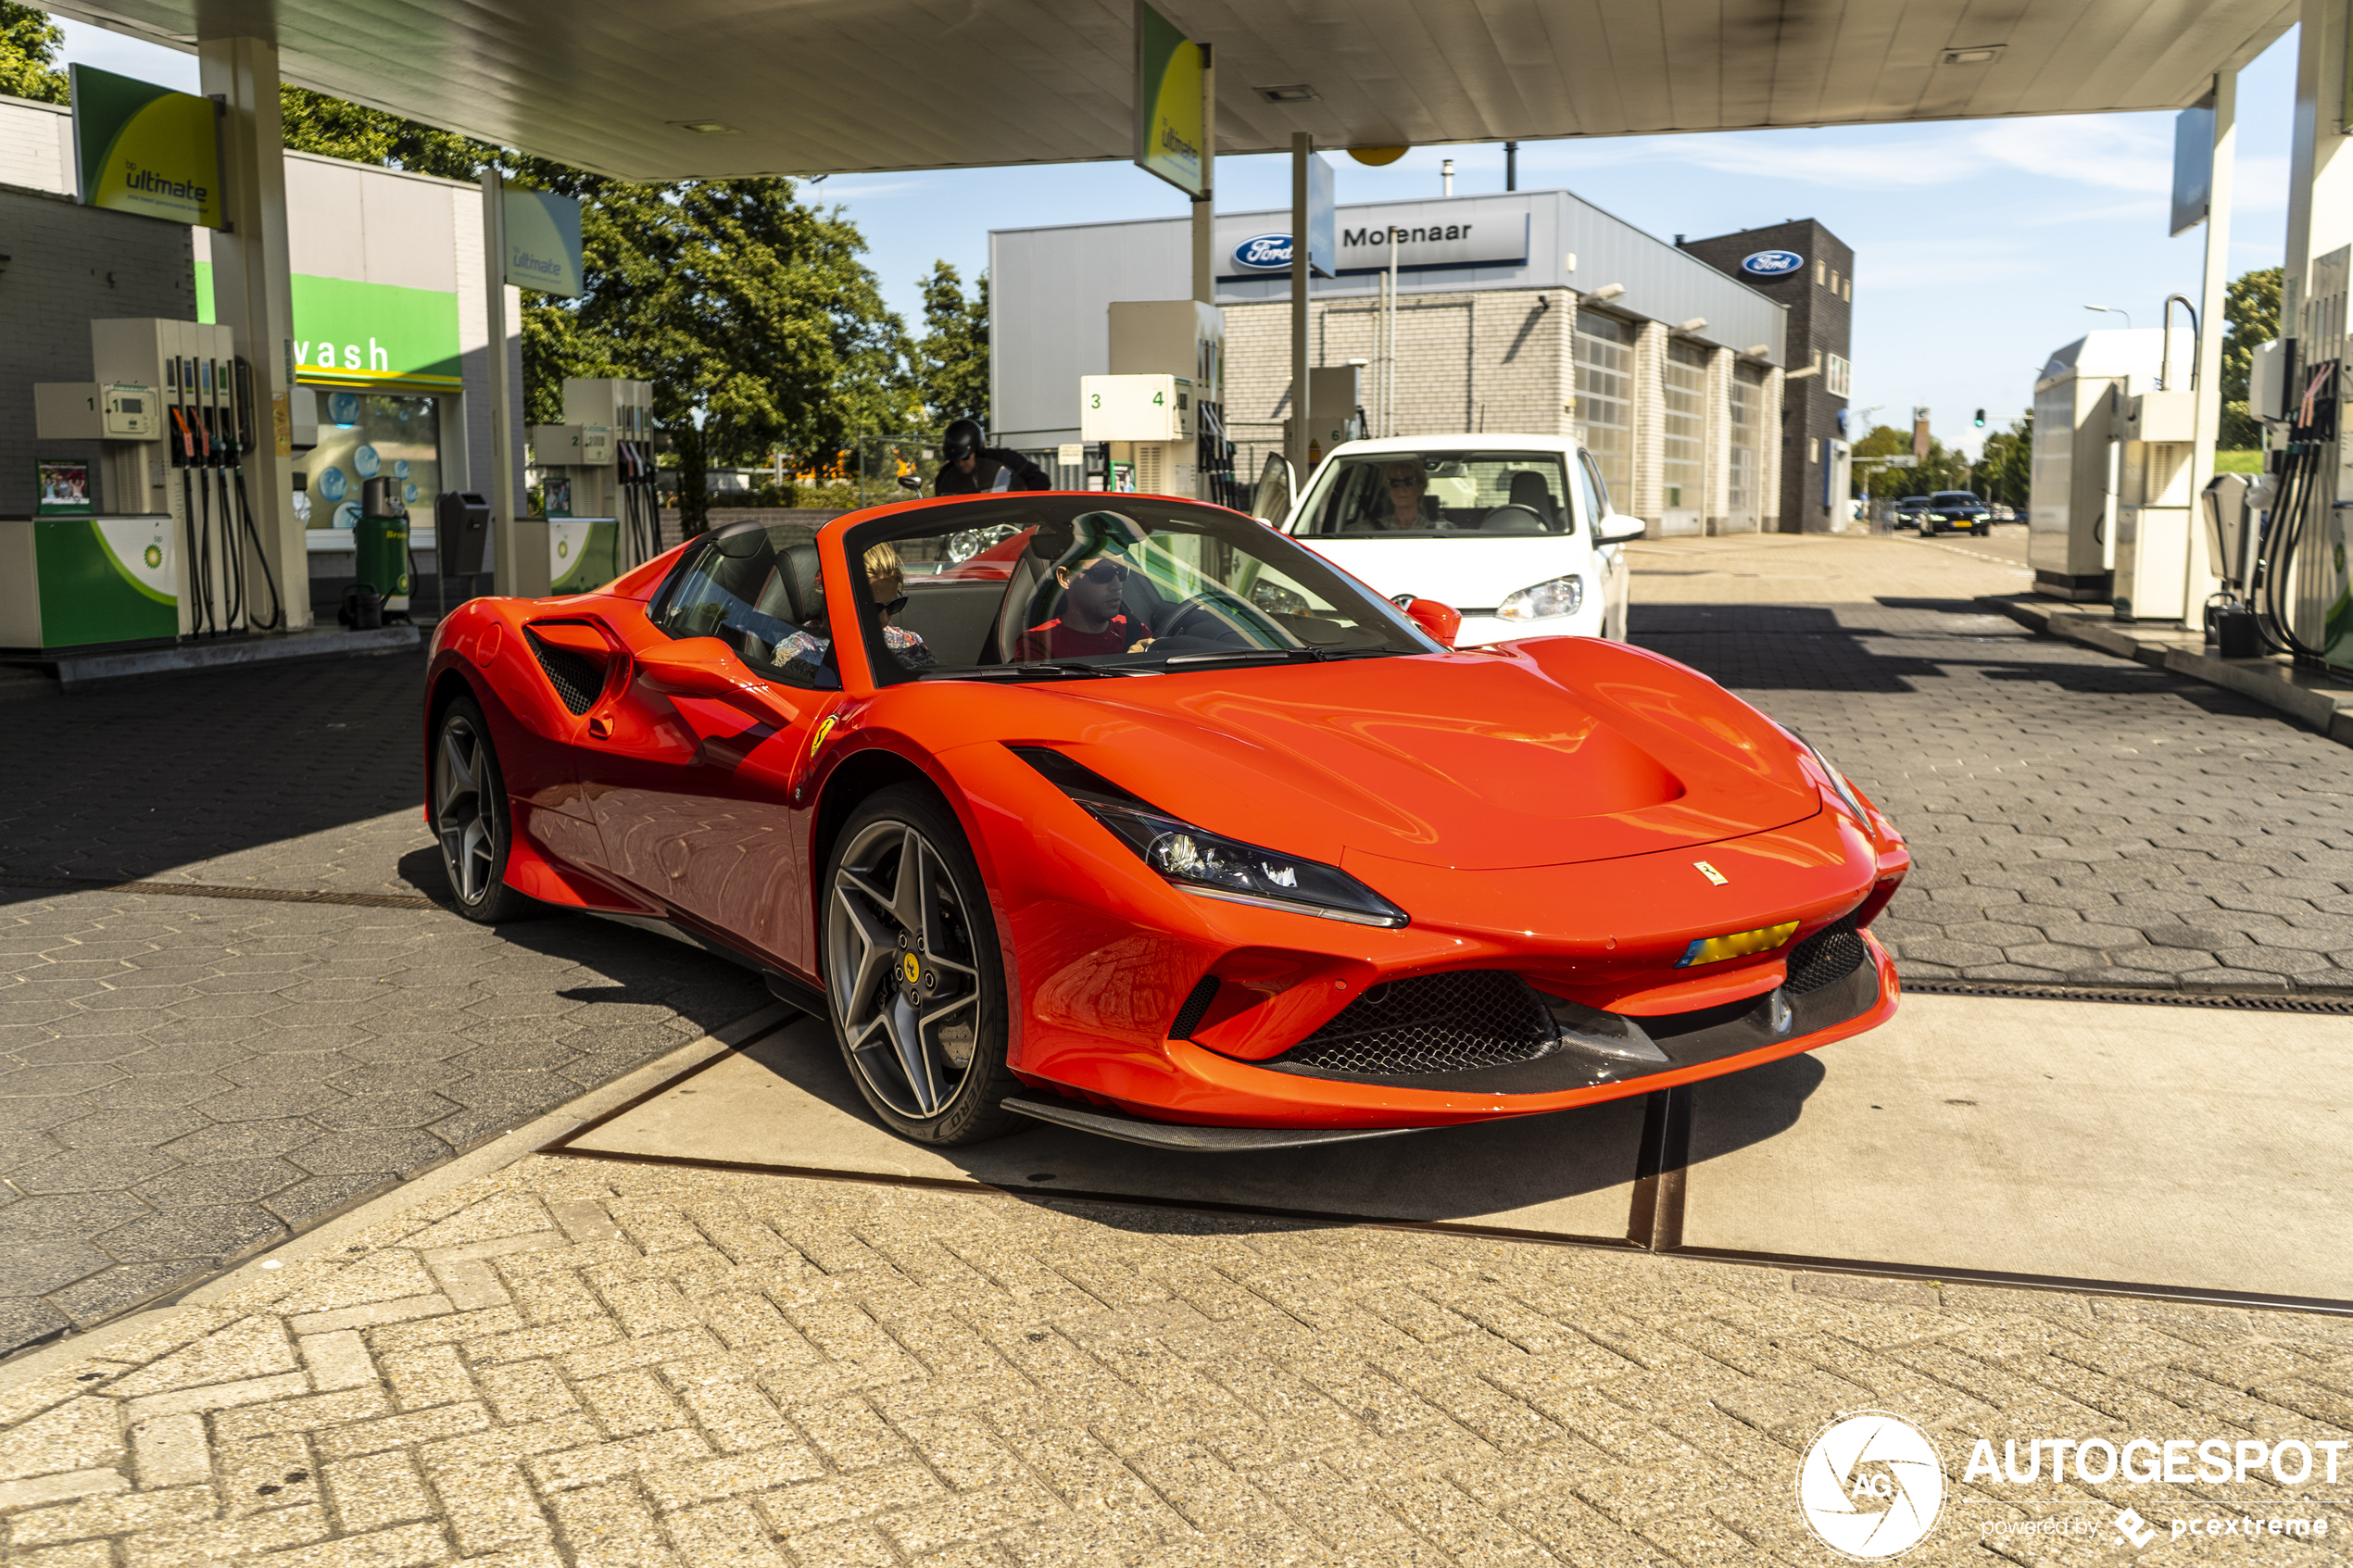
1545 601
1846 790
1217 867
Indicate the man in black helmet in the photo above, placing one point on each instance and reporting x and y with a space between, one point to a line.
973 469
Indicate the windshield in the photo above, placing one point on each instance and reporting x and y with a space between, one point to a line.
1956 498
1077 588
1484 495
1913 501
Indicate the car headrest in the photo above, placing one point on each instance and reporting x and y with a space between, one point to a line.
801 573
1529 490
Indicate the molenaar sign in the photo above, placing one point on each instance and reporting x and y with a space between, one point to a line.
1430 235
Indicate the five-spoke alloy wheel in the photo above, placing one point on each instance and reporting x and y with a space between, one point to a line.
912 976
470 817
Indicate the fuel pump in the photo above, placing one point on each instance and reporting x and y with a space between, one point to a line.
2299 585
1149 426
172 407
596 482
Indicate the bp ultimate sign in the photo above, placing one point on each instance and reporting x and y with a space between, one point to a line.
1430 236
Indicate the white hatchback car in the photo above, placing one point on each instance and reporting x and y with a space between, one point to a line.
1516 532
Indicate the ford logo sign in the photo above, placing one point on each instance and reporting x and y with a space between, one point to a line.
1773 263
1263 253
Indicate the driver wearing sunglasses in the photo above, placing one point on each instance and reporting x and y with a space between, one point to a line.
1092 618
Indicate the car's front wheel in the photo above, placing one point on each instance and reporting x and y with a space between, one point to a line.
914 979
471 821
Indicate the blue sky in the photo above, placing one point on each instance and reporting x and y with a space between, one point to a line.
1977 243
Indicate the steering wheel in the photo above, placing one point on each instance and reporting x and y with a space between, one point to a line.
1514 518
1197 605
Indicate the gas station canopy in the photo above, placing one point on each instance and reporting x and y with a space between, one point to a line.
699 88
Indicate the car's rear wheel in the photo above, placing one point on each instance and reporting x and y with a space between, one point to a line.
471 821
914 979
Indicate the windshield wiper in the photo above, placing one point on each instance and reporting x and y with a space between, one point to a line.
1285 655
1037 669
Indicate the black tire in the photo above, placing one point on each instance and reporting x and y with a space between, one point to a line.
466 795
905 965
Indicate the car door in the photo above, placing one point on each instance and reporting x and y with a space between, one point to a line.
1609 557
691 777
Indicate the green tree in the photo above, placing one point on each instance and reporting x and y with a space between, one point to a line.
1943 469
2251 305
29 45
952 357
749 312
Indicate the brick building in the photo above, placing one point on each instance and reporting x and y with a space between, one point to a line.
1530 312
1818 292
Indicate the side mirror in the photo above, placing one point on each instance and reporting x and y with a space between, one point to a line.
1270 503
692 667
1616 528
1444 622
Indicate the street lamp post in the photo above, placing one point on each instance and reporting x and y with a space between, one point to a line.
2114 310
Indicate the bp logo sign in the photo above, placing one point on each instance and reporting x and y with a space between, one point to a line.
1871 1486
1772 263
1263 253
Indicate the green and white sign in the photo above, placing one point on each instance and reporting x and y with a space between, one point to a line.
380 335
142 148
543 242
1171 117
106 579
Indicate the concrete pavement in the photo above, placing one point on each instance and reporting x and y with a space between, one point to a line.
2075 818
562 1360
185 1079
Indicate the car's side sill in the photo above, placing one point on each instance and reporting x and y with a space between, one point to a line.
1199 1140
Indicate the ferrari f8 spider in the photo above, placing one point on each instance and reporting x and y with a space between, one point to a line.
1133 814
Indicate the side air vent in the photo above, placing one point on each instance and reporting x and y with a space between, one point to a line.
577 677
1825 958
1196 1006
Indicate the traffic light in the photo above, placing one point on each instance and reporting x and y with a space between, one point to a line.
1981 418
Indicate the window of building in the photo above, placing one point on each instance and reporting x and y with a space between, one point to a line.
1847 290
1686 423
1745 467
1839 377
1606 396
365 435
1821 273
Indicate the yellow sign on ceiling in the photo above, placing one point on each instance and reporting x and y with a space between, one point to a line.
1172 129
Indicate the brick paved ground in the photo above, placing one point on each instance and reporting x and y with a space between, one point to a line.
580 1362
183 1080
2073 817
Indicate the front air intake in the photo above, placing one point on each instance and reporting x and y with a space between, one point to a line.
1825 958
1430 1024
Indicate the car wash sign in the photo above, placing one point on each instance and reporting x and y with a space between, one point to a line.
142 148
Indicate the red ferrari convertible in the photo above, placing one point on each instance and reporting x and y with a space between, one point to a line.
1146 820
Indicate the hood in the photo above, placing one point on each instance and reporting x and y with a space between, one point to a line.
1536 754
1468 573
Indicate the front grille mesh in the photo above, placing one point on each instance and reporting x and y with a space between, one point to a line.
1825 958
575 675
1432 1024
